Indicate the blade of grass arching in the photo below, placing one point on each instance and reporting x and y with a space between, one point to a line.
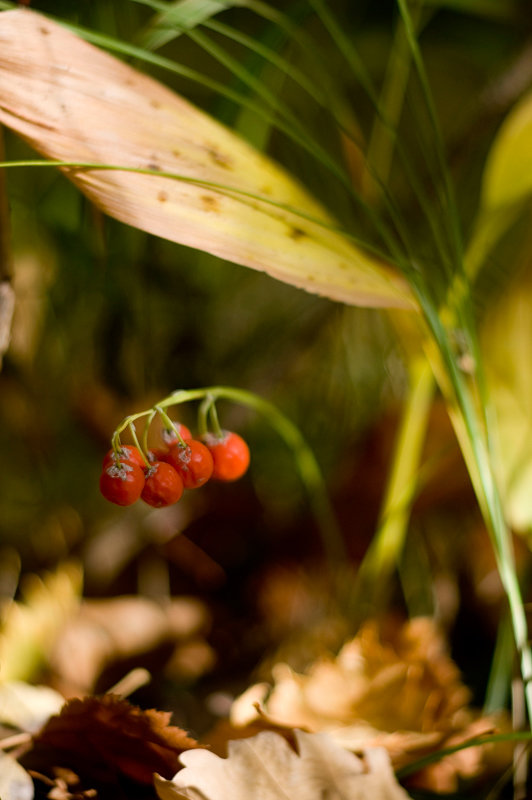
322 270
350 54
116 45
202 14
255 130
451 207
222 188
270 55
387 236
328 98
387 544
176 18
307 466
476 741
470 429
382 140
501 673
465 401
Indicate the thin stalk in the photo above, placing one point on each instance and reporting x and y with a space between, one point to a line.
388 542
476 741
438 138
382 140
350 54
306 463
475 447
266 204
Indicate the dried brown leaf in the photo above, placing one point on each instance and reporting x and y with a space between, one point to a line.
75 103
106 739
400 691
111 630
265 767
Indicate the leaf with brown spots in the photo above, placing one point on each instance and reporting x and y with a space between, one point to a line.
106 740
213 191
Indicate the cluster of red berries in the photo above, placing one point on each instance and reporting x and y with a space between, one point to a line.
160 477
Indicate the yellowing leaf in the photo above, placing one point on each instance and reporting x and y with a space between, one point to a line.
74 103
266 768
507 183
507 345
508 174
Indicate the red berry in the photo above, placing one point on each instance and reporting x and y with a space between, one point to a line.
230 456
122 484
170 438
193 463
163 485
128 455
157 454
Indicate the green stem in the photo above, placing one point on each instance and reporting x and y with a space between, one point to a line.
474 435
152 415
305 460
133 432
215 422
388 542
170 425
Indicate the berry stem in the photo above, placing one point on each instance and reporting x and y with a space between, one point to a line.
152 415
307 466
203 411
215 422
170 424
208 410
133 432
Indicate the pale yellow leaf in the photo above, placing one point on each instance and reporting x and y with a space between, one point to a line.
507 345
506 184
508 173
28 707
73 102
265 767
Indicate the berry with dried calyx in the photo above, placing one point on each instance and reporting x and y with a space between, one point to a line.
122 484
127 454
230 455
193 463
170 437
163 485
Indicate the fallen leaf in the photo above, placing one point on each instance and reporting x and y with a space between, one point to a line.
399 690
15 783
111 630
74 103
106 739
28 707
265 767
28 628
